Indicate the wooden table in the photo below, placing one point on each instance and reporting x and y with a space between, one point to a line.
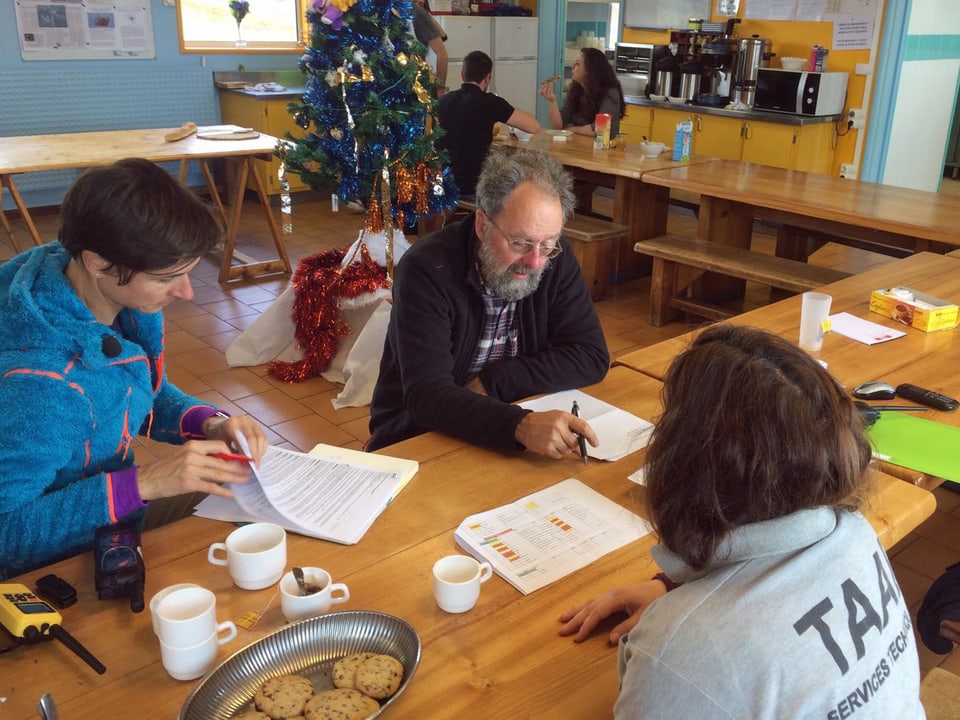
926 359
640 206
503 656
733 193
35 153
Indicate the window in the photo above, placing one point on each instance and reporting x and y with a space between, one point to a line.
271 26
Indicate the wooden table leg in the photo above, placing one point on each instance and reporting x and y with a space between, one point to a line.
728 223
643 208
247 270
7 226
7 182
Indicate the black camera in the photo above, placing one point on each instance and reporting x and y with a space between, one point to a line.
119 570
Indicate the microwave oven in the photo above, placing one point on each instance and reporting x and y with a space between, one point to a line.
800 92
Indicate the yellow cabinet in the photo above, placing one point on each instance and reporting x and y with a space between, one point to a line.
636 124
770 143
719 137
815 146
664 125
269 116
794 147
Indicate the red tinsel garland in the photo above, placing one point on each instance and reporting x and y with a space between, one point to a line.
319 284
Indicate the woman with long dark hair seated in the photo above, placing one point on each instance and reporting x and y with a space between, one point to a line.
595 89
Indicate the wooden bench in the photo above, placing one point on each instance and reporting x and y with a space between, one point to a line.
679 261
954 253
593 241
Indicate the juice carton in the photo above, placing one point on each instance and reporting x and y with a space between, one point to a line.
601 131
682 140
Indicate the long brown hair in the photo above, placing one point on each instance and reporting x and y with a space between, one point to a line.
585 100
753 429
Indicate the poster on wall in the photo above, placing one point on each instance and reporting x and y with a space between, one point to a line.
85 30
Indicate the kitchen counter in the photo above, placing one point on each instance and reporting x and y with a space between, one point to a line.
238 82
288 93
757 115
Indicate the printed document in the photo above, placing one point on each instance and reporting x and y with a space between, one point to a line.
331 493
548 535
620 433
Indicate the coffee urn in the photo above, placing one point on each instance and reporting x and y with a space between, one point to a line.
752 53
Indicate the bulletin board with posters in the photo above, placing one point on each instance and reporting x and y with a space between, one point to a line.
85 30
659 15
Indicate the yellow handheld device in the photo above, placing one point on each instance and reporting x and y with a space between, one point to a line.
30 619
25 615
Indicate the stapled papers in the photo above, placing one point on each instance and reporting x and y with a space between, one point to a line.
549 534
332 493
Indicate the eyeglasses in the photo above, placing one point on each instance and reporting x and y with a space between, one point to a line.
522 247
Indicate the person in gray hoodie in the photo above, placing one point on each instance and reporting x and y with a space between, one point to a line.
776 599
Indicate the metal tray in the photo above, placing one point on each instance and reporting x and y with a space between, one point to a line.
308 648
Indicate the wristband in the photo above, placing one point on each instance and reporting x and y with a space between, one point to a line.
662 577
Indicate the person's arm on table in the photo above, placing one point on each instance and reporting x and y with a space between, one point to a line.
631 600
522 120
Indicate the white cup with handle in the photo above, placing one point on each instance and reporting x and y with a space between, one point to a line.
188 615
457 580
155 602
322 593
255 555
189 663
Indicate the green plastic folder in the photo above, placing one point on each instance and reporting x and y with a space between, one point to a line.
924 445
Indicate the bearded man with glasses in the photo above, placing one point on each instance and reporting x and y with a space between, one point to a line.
488 311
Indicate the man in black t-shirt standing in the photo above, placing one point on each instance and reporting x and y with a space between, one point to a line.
468 116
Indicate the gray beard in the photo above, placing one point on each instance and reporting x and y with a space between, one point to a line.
501 283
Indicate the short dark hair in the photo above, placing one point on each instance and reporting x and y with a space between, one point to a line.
136 216
504 170
753 429
476 66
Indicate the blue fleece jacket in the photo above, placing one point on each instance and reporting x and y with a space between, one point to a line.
69 414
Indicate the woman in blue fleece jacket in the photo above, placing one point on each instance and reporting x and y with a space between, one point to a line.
82 368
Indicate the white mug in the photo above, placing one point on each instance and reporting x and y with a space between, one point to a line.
188 615
255 554
189 663
456 582
155 601
297 607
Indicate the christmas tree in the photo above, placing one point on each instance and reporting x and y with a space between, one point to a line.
369 106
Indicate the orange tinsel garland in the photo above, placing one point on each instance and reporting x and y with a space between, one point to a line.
319 284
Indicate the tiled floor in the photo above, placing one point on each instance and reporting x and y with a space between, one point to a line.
300 415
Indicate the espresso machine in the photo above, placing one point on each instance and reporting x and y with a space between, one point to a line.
719 58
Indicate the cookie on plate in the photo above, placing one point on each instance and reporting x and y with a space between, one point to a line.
340 704
284 696
379 676
345 668
253 715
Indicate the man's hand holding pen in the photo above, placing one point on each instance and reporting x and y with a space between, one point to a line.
554 433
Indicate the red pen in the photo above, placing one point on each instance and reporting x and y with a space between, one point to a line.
231 456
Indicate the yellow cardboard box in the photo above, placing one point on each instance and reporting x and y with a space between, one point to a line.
913 308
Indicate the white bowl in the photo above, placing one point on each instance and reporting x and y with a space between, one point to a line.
521 135
793 63
652 149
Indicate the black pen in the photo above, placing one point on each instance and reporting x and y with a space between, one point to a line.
580 439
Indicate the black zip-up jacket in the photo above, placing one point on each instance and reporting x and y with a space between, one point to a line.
435 324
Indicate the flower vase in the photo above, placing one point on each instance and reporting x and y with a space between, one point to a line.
240 41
